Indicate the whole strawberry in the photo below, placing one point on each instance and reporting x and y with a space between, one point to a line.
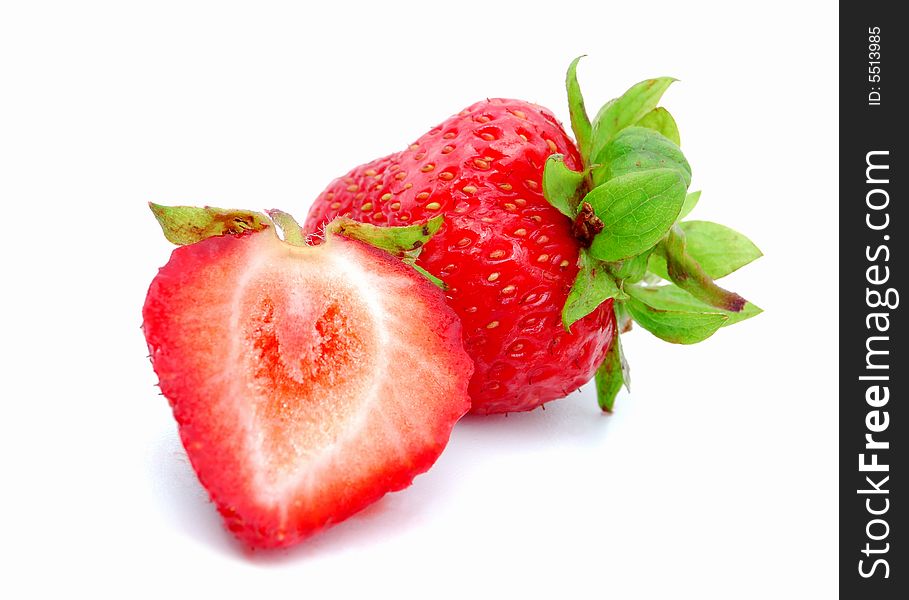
507 257
542 236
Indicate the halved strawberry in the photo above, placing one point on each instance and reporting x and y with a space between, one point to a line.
307 382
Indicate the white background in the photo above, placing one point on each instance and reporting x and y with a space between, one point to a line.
716 478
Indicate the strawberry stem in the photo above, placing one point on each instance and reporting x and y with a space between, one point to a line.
586 225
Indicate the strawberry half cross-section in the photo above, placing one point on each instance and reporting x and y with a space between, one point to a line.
307 382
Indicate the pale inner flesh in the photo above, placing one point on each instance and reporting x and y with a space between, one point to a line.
310 344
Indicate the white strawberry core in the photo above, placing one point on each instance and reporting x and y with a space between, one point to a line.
312 344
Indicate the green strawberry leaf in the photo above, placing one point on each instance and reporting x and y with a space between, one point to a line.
691 200
673 298
580 122
661 121
718 249
674 326
562 187
626 110
183 225
612 374
397 240
593 286
639 149
637 210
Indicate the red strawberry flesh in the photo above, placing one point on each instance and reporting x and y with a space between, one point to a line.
307 382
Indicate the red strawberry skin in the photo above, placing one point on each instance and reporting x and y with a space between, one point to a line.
306 382
507 255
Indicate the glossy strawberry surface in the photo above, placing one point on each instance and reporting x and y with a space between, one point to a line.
508 257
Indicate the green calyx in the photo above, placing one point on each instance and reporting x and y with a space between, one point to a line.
184 225
627 204
405 242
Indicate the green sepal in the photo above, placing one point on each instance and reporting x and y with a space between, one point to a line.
632 270
562 187
611 375
660 120
403 241
623 320
691 200
432 278
639 149
685 271
718 249
184 225
626 110
674 326
593 286
293 233
396 240
580 122
637 210
673 298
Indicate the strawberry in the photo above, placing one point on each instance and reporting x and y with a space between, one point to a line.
307 382
545 238
507 257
